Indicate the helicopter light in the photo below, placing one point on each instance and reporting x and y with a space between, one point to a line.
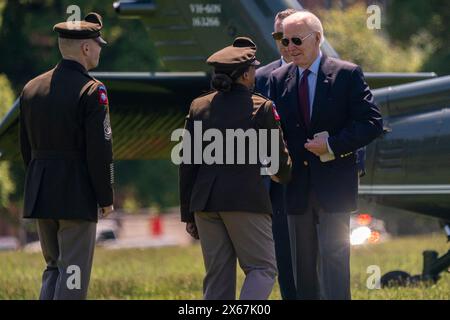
374 237
360 235
364 219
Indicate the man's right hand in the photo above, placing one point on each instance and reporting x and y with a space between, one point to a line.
191 228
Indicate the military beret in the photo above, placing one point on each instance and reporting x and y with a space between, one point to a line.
89 28
240 54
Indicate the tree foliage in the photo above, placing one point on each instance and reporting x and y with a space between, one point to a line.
347 32
7 185
422 23
29 45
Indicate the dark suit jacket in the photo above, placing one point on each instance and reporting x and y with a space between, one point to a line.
262 87
66 144
343 106
263 77
229 187
277 190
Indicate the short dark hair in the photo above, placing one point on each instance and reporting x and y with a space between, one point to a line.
222 80
284 14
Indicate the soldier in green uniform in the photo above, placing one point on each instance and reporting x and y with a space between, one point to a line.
66 145
225 204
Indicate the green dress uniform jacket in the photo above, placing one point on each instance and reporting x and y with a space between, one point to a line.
66 144
230 187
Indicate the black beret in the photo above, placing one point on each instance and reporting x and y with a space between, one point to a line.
241 53
89 28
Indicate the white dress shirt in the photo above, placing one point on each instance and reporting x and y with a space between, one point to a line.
312 82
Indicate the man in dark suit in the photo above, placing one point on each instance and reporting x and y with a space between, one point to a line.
327 113
66 145
279 219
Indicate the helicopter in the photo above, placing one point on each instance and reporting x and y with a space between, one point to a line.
406 168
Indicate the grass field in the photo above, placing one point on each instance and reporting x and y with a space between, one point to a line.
176 273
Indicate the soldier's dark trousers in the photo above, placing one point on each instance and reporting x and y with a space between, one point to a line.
68 248
247 237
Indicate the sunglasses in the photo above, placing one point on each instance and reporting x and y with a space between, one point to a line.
277 36
297 41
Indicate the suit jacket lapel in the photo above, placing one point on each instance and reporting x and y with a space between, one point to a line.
292 92
322 88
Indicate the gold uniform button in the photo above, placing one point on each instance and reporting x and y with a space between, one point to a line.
305 163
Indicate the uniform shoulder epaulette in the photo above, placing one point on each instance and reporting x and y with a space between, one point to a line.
98 83
261 95
96 86
262 100
259 98
92 85
207 93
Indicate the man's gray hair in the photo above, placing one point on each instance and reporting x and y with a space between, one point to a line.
309 18
284 14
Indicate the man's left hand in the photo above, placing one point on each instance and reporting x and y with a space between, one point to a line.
318 146
191 228
105 211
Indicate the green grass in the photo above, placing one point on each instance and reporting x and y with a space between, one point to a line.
177 273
